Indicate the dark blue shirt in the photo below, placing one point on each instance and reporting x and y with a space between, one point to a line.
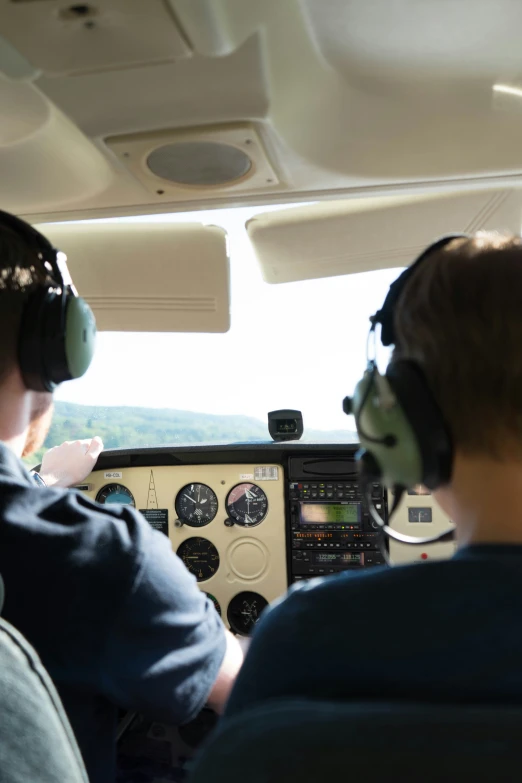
447 631
113 613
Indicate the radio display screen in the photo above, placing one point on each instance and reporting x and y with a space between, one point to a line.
331 514
336 558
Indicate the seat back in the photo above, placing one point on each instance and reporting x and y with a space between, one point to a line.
312 742
36 740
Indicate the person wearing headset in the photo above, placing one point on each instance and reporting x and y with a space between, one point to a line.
115 616
447 414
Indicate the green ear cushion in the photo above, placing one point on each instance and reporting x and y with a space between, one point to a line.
400 464
80 336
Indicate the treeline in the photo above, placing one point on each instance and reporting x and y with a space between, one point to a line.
122 427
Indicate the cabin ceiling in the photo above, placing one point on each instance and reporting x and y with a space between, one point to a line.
121 107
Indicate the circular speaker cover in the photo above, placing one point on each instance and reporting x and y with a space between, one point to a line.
202 163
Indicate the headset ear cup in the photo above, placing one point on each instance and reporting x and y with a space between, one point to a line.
425 418
57 339
80 336
385 432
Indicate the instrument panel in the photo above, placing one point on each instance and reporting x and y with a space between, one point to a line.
236 528
226 522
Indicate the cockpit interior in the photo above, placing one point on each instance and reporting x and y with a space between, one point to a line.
235 185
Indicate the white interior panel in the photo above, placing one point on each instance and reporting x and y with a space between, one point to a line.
419 41
348 97
150 277
345 237
58 39
251 559
44 159
190 92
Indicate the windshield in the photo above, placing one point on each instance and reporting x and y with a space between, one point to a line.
294 345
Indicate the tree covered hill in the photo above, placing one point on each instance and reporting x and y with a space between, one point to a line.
125 427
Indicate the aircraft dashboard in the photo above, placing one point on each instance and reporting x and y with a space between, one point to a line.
248 520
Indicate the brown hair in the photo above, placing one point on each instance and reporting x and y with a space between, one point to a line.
460 318
20 273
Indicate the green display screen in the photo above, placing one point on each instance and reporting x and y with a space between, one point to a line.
330 513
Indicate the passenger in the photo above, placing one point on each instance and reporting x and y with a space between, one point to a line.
440 631
114 615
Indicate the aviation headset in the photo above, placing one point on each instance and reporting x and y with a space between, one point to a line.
404 438
57 330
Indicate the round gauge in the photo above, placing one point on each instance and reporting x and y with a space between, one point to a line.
247 504
215 602
200 556
244 611
115 493
196 505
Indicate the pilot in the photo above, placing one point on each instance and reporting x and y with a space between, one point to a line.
449 411
115 616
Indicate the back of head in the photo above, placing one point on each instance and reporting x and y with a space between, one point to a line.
21 272
460 318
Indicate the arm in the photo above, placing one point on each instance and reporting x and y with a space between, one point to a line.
168 653
71 462
228 672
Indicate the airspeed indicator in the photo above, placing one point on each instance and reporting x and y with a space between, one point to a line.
196 505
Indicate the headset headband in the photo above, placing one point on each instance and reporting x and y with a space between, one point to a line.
385 316
47 254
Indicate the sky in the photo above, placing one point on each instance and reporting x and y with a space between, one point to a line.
292 345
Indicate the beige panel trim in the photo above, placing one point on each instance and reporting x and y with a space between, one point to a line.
252 559
401 554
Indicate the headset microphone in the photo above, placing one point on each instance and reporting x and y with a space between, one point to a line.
404 438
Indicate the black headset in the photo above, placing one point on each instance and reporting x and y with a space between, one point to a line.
404 438
58 329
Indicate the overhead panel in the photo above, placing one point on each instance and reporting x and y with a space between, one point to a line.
345 237
69 38
45 161
149 277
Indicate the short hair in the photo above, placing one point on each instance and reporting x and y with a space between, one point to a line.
21 272
460 318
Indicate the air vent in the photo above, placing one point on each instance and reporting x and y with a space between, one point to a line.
189 163
200 163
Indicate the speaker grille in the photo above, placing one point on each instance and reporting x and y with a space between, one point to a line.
199 163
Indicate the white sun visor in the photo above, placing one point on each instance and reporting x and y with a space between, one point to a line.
344 237
149 277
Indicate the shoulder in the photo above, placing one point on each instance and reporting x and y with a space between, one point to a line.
68 524
351 594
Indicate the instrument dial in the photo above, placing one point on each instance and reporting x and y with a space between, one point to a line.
247 504
200 556
416 514
115 493
215 601
244 611
196 505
